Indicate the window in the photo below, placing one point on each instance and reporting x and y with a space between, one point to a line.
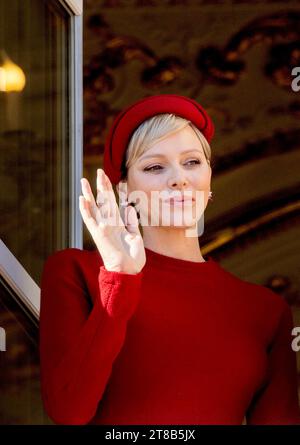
41 162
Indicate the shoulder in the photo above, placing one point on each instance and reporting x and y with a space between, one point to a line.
73 255
72 270
73 259
259 299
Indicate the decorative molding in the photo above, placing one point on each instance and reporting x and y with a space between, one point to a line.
232 233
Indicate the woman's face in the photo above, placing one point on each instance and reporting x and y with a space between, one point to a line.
174 166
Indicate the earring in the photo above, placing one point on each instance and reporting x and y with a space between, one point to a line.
210 196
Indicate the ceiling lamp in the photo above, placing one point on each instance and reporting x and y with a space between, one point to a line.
12 77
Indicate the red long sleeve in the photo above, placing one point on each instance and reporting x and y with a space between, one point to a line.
78 342
276 403
179 343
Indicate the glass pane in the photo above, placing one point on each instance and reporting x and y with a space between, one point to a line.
34 173
20 397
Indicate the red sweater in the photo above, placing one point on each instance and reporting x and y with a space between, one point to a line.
180 342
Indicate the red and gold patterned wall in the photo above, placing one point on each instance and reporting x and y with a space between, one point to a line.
235 58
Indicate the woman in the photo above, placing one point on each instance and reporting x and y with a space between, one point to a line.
144 329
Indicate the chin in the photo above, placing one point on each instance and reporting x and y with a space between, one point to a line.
180 222
174 218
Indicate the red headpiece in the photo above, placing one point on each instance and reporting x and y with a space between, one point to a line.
132 116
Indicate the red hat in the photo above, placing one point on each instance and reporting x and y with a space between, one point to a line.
132 116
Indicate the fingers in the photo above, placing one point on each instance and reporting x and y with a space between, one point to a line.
107 182
131 220
100 184
86 214
89 197
105 206
122 191
106 194
123 198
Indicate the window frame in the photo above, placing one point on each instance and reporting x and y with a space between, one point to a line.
74 6
11 270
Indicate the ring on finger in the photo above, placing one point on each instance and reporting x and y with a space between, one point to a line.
101 203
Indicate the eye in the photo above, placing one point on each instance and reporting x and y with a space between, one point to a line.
157 167
195 160
148 169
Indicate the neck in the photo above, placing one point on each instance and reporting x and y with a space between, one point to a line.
172 242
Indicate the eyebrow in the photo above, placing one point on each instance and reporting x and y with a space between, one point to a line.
158 155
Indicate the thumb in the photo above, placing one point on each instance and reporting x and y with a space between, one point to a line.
131 220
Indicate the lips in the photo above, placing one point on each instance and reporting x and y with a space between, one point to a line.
180 199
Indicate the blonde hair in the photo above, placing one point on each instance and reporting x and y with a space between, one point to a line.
153 130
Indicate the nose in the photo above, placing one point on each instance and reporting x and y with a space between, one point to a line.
177 178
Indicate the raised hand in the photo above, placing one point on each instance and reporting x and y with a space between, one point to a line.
120 246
